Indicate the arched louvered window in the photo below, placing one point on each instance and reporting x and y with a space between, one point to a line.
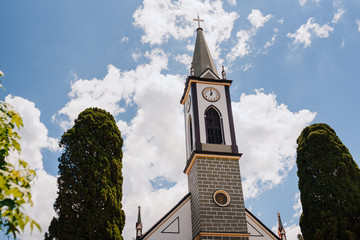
191 134
213 126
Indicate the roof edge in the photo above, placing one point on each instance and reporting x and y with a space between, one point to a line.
166 215
262 224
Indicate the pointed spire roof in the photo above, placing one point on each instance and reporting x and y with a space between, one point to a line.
202 59
139 217
281 230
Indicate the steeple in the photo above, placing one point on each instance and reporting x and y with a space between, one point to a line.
202 59
138 225
281 230
212 166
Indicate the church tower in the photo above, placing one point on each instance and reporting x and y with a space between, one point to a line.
214 207
212 166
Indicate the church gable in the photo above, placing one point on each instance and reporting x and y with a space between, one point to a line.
209 74
175 225
257 230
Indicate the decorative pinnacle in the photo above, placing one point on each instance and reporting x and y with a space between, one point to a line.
198 20
223 73
139 216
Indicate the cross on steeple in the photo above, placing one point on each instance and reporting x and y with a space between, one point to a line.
198 20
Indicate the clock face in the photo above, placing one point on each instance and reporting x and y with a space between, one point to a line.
211 94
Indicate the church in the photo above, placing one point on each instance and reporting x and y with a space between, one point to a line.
214 207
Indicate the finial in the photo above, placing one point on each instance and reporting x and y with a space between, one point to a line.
192 71
198 20
223 73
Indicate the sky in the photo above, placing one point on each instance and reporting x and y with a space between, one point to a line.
293 63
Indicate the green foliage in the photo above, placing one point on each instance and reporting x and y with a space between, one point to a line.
90 183
14 181
329 183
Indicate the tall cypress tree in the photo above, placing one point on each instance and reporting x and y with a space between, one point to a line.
329 183
88 205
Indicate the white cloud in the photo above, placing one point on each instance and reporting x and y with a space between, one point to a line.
125 39
342 45
242 47
306 32
337 3
244 37
272 41
161 20
232 2
297 206
358 23
266 132
292 231
338 15
44 192
257 19
136 56
247 67
185 59
34 134
34 138
90 93
302 2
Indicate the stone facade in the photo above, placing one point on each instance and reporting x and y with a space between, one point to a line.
207 175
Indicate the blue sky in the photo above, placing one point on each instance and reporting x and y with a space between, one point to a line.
293 63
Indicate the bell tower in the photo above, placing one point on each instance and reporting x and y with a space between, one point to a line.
212 164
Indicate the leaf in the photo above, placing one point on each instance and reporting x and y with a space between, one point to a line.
17 120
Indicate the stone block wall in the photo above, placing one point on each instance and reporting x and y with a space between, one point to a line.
207 175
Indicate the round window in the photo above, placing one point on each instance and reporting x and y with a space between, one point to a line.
221 198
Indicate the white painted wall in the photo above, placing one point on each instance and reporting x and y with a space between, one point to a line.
257 230
183 213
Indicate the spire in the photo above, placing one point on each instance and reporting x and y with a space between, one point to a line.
281 230
202 59
138 225
139 216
